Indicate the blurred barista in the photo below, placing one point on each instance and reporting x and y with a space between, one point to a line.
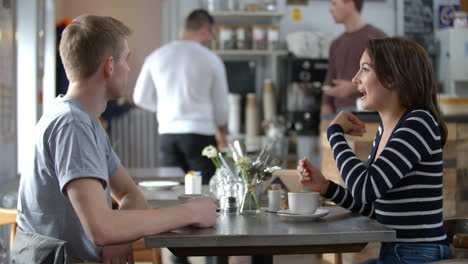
185 84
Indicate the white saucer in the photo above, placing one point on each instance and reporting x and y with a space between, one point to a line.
157 185
285 214
267 210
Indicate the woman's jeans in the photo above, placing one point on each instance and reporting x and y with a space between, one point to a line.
401 253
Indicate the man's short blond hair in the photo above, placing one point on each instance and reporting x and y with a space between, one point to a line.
87 41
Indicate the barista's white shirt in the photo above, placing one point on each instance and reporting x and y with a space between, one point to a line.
185 83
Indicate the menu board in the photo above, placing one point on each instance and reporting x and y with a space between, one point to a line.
417 23
418 16
8 142
7 75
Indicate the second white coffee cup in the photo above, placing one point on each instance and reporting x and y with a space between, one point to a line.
303 202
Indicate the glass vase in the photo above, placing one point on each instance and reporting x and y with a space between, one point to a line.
216 182
250 204
230 199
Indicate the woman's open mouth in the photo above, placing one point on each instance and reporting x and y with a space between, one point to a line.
362 94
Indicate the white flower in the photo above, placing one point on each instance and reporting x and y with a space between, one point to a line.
243 163
210 152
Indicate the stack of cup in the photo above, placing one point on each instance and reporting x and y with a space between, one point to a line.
269 102
252 124
234 122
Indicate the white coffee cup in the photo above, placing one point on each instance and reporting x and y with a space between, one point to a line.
303 202
274 200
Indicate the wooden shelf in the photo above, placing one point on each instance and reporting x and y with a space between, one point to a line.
251 52
246 14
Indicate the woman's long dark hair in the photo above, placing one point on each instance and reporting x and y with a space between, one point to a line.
404 65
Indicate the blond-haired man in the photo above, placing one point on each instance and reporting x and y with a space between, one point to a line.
76 171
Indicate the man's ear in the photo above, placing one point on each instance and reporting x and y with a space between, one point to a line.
353 5
108 66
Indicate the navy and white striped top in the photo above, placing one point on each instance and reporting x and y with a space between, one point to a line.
402 189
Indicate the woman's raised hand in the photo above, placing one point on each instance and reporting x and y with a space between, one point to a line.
350 124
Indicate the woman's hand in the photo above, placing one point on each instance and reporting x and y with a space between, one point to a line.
350 124
312 178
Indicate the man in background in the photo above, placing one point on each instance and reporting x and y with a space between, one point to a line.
344 55
185 84
66 201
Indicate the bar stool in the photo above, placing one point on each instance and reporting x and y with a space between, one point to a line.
141 253
8 217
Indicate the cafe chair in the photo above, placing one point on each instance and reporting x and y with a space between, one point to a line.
8 217
457 232
143 254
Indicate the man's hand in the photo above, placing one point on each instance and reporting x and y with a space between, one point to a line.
342 88
203 210
120 254
327 109
350 124
221 138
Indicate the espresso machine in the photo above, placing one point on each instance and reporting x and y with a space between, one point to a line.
301 102
303 95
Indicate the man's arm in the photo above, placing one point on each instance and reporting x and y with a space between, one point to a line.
105 226
342 88
219 97
221 138
144 94
327 109
129 197
126 192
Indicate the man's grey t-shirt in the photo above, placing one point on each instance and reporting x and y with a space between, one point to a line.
69 144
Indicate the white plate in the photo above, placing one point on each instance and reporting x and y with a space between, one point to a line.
285 214
158 185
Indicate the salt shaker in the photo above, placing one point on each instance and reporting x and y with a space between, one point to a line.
230 205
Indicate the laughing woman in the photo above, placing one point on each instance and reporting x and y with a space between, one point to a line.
401 184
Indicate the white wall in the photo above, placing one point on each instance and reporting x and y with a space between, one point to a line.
27 81
35 71
142 16
49 71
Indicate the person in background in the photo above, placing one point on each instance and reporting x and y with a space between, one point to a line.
68 196
401 183
185 84
340 93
